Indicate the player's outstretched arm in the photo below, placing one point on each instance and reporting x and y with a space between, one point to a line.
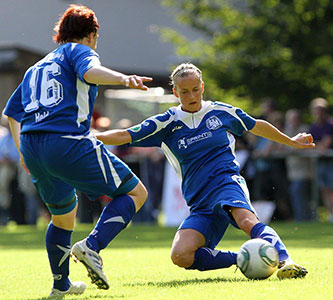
104 76
268 131
114 137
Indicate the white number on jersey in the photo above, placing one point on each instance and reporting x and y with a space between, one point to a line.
51 89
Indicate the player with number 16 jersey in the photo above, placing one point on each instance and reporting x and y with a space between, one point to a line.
49 115
53 96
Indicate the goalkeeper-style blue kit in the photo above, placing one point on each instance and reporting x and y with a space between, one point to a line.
54 105
200 146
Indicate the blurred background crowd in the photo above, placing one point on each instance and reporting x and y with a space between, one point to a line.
284 183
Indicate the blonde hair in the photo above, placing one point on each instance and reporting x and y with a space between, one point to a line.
184 70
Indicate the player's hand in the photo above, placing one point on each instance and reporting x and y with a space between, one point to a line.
303 141
136 82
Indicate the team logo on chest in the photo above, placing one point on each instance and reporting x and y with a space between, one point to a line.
182 143
213 123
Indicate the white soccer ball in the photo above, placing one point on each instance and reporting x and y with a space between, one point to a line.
257 259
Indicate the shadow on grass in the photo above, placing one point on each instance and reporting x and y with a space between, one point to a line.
164 284
195 281
159 284
309 235
98 296
181 283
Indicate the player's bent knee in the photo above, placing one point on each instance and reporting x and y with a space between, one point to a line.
182 260
247 224
139 195
65 221
244 218
142 193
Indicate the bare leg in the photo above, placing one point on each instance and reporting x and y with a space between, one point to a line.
184 245
189 251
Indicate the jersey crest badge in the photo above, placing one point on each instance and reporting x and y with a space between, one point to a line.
213 123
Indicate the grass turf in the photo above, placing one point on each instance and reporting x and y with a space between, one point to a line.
138 266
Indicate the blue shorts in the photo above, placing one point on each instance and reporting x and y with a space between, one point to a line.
213 219
60 163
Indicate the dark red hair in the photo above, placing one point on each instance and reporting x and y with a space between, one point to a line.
75 24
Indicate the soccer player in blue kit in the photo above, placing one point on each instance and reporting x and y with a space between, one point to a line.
197 138
49 115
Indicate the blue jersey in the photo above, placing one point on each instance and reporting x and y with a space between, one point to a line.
53 96
200 145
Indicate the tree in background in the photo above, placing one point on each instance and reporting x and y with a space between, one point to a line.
253 49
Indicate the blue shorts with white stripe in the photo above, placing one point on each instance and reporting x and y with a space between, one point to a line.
61 163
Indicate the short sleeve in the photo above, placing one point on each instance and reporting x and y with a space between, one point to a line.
234 118
84 58
244 122
14 107
151 132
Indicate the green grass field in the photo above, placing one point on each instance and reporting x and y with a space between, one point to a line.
138 266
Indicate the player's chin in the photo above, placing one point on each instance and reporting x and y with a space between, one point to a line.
194 107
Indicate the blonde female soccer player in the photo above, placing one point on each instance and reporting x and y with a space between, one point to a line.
197 138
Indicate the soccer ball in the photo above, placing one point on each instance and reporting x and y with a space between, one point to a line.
257 259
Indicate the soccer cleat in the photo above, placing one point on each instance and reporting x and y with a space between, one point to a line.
93 263
288 269
76 288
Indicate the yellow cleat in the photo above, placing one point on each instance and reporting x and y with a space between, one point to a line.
290 270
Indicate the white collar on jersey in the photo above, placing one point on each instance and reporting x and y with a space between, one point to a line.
192 120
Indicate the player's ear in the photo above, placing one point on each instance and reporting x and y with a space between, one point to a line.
175 92
202 87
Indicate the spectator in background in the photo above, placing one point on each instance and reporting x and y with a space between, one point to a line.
8 170
298 170
255 166
3 129
103 123
151 172
19 200
322 132
268 106
31 198
270 172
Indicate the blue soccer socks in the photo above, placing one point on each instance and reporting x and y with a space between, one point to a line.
114 218
208 259
58 249
265 232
